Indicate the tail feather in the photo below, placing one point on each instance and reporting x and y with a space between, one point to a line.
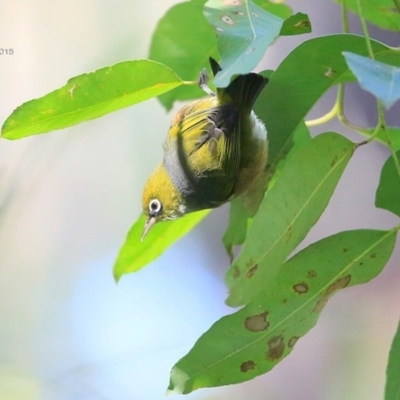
243 90
215 67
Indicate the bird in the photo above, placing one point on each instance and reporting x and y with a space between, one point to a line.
215 150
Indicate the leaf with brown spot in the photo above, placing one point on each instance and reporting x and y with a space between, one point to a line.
339 284
226 352
306 192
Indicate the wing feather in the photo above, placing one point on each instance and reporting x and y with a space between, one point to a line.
202 152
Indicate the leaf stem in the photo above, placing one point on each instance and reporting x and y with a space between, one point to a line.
345 18
340 111
325 118
340 94
381 125
365 30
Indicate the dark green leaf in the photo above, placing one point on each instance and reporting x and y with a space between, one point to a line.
300 138
253 340
296 25
382 80
293 24
90 96
288 211
388 193
392 389
135 254
244 33
304 76
239 218
184 41
244 207
382 13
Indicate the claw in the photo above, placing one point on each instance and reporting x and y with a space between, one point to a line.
203 80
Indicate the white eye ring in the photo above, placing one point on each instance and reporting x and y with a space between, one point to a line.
155 206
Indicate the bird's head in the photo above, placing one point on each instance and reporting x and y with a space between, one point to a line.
161 200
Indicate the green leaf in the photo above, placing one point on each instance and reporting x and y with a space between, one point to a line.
380 79
288 211
244 33
91 95
303 77
388 192
392 389
136 254
253 340
184 41
279 9
239 218
296 25
300 138
382 13
241 212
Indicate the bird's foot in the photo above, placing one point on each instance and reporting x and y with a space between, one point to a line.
203 82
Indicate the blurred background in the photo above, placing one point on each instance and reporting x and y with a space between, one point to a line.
67 200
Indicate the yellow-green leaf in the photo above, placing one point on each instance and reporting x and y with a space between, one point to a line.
255 339
90 96
136 254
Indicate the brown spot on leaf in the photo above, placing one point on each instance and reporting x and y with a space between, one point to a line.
344 250
334 161
257 323
311 273
250 263
373 255
252 271
276 347
292 341
300 288
236 272
247 366
339 284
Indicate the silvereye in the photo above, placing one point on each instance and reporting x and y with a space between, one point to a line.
215 150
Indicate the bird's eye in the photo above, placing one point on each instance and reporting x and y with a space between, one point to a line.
155 206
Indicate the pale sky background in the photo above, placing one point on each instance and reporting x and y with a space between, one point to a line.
67 200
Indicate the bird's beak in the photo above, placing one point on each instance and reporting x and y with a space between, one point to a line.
149 223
